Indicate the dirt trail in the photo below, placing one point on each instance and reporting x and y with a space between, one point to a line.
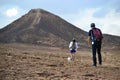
48 63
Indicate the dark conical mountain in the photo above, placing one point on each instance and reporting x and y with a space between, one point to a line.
44 28
41 27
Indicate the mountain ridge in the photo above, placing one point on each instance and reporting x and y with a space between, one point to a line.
44 28
42 22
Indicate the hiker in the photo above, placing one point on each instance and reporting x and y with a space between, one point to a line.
73 48
95 39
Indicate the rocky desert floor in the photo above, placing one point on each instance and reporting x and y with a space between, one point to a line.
31 62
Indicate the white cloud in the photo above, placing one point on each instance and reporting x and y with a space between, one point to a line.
12 12
85 18
9 14
109 23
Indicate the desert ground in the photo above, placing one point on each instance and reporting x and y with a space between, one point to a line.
32 62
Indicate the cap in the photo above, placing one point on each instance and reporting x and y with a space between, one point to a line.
92 25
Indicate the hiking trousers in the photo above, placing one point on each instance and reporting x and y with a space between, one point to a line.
96 48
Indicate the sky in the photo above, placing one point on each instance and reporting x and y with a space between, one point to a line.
81 13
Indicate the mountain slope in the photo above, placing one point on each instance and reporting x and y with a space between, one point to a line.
44 28
41 27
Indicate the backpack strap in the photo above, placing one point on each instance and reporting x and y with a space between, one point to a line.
92 35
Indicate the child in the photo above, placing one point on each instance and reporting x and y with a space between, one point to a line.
73 48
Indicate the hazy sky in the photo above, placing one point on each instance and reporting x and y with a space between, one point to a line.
105 13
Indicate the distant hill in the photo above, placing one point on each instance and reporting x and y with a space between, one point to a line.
111 42
44 28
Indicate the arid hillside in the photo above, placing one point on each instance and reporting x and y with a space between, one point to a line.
31 62
45 28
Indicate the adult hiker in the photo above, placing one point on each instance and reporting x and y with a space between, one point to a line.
73 48
95 39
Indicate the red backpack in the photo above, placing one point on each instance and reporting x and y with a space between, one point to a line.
97 33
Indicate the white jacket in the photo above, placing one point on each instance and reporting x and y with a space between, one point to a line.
70 45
